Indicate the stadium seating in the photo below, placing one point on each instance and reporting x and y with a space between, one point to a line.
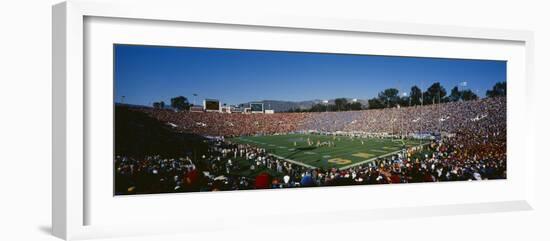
471 145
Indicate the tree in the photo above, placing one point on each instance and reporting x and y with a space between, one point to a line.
180 103
405 101
375 103
464 95
455 94
469 95
389 96
499 89
416 95
340 103
318 108
355 106
158 105
435 94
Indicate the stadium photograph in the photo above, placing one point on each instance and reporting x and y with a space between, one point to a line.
191 119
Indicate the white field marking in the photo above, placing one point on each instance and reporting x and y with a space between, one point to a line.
343 152
292 161
369 160
374 158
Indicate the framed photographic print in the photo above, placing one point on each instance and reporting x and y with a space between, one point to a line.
224 119
279 119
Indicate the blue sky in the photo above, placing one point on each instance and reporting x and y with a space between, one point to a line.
145 74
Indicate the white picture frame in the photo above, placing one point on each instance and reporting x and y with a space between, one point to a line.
71 113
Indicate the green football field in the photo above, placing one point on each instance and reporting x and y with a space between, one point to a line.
338 151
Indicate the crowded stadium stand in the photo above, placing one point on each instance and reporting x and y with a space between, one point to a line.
467 141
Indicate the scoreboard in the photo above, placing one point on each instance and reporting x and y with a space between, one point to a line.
211 105
257 107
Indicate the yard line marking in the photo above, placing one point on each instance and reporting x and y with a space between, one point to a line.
292 161
369 160
372 159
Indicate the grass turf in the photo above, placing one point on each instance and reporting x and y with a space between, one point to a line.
346 151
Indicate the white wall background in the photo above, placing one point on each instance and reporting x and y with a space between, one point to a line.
25 123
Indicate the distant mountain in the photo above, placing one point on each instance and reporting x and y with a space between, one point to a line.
276 105
118 104
282 106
